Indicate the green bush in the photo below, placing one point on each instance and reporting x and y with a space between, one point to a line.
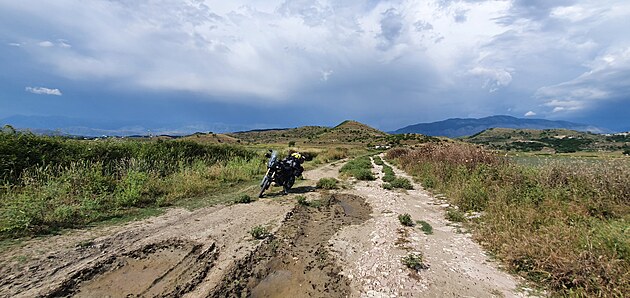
259 232
378 160
243 199
302 200
387 186
401 182
414 261
327 183
364 174
405 220
425 227
360 168
455 215
388 178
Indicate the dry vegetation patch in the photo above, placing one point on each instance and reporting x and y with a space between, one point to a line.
563 225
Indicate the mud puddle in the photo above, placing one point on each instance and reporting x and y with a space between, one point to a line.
296 261
169 268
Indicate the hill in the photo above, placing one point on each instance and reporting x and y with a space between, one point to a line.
458 127
557 140
351 131
281 135
348 132
211 138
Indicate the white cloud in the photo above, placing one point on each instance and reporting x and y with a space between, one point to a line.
530 113
46 44
608 78
326 74
63 43
15 44
493 78
43 90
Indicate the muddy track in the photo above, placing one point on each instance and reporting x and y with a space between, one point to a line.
170 268
296 261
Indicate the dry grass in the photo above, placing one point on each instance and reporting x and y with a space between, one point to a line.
562 225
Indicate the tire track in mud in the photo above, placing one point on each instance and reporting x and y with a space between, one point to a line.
296 261
169 268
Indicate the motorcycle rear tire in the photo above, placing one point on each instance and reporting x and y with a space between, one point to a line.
288 185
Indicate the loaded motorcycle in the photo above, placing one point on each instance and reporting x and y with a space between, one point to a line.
278 172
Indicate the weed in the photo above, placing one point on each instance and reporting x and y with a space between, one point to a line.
387 186
259 232
405 220
327 183
414 261
359 168
302 200
425 227
378 160
243 199
455 215
401 182
364 174
85 243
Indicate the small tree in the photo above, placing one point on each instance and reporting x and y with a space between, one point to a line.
291 143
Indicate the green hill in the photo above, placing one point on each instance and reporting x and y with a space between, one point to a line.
557 140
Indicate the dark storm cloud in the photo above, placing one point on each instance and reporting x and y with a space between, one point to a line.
389 63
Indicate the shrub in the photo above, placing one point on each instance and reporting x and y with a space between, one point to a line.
388 178
455 215
378 160
401 182
302 200
243 199
428 182
259 232
414 261
387 186
291 143
405 220
364 174
425 227
327 183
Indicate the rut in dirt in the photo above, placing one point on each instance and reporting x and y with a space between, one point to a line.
296 261
166 269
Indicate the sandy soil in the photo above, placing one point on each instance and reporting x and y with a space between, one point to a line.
350 245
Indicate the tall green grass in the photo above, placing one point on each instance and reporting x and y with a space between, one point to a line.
566 226
50 183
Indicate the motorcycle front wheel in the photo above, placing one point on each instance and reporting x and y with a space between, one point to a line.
264 185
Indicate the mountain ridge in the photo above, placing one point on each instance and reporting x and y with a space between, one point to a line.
460 127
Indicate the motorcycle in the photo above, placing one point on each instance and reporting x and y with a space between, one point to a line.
278 173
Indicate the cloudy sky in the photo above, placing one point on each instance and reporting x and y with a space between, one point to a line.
229 65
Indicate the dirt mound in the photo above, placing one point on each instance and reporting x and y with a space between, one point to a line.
296 262
170 268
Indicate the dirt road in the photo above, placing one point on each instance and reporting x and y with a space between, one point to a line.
345 243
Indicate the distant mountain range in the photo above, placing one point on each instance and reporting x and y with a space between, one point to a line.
56 125
458 127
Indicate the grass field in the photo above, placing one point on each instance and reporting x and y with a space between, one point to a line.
49 183
564 225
